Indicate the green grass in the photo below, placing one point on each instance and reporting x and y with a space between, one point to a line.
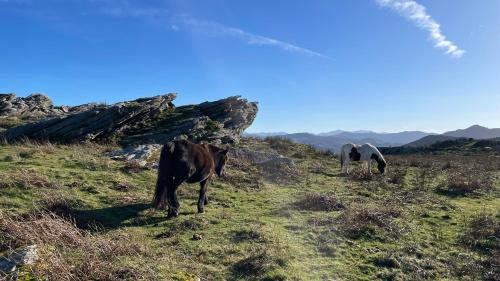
261 233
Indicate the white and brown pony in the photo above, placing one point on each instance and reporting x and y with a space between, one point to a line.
366 152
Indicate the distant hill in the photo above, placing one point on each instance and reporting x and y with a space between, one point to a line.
393 138
475 132
332 133
429 140
335 139
334 143
454 145
263 135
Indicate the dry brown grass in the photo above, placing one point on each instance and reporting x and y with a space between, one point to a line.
466 182
133 167
483 233
362 221
360 175
69 253
320 202
280 144
279 173
259 263
27 179
396 176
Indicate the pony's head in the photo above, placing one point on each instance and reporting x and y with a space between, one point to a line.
220 161
381 164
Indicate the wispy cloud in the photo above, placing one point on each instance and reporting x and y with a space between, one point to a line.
124 8
417 13
212 28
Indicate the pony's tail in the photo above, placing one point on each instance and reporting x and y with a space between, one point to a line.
159 199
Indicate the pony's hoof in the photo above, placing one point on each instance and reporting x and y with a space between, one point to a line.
201 211
172 215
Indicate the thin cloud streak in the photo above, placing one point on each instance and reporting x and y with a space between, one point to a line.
216 29
417 13
124 8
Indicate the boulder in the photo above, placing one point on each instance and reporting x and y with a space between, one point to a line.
141 155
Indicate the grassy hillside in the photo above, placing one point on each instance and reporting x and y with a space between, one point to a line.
430 217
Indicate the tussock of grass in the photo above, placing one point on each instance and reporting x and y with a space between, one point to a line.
396 176
281 145
468 182
280 173
483 233
360 175
27 179
132 167
370 222
246 235
260 264
314 201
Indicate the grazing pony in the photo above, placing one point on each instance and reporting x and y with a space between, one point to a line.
365 152
183 161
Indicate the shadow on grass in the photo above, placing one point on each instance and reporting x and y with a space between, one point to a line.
110 217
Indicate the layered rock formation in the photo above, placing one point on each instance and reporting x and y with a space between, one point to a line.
142 121
36 106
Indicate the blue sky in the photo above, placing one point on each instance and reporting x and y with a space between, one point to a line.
383 65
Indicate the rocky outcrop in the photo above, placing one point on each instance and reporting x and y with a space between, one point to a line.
152 120
36 107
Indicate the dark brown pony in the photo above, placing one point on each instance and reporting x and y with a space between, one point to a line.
183 161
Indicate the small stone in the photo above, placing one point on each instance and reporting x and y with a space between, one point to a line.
6 266
26 255
197 236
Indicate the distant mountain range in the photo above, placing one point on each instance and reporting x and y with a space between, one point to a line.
473 132
335 139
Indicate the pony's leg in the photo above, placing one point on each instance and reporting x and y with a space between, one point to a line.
369 164
346 166
203 196
173 201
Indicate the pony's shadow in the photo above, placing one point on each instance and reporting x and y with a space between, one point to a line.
113 217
